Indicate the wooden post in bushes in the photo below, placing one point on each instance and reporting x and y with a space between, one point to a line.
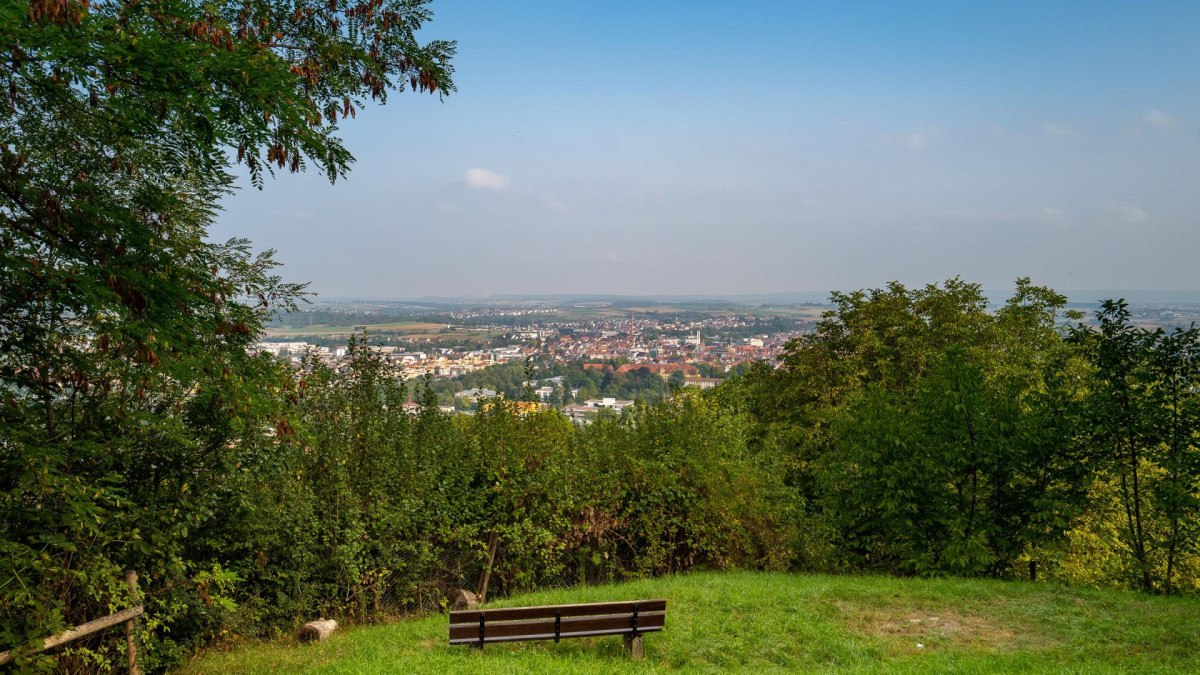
493 541
130 640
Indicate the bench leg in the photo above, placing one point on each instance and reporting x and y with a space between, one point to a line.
634 648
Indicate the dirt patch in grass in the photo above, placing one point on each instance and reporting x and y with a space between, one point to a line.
915 630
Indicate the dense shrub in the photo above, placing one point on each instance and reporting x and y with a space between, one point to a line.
366 509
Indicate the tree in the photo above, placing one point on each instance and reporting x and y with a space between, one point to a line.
128 397
528 394
925 433
1176 368
1145 422
676 380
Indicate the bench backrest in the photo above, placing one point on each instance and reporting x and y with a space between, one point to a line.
552 622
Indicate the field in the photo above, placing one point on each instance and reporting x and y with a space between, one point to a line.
746 622
325 330
412 330
691 311
421 329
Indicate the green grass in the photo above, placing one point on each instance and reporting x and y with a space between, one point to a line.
792 623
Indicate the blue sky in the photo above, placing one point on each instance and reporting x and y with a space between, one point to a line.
716 147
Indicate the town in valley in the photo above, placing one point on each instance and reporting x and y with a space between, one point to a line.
583 354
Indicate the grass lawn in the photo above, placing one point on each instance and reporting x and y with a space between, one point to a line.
751 622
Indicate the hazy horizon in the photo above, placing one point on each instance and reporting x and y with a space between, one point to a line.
1142 296
700 148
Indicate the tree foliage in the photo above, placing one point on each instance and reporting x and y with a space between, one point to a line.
929 433
129 403
1143 421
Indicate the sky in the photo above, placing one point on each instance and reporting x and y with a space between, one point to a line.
696 147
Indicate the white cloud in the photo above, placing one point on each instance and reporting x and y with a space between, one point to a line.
1058 129
920 139
609 257
1002 135
552 204
483 179
917 139
986 216
1053 214
1160 119
1131 214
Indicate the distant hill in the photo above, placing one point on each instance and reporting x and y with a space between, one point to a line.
1137 297
807 297
1085 297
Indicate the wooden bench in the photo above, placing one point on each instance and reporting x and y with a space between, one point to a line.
477 627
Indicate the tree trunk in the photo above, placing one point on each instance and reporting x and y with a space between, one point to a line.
131 581
493 540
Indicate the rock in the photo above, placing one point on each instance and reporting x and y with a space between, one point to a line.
316 630
463 599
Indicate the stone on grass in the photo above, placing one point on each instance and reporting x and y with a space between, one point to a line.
463 599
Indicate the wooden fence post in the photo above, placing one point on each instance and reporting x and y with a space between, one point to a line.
131 580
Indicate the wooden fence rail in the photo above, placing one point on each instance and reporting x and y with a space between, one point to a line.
126 616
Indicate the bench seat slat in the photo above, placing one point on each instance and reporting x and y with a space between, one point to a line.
474 622
547 611
550 636
616 623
